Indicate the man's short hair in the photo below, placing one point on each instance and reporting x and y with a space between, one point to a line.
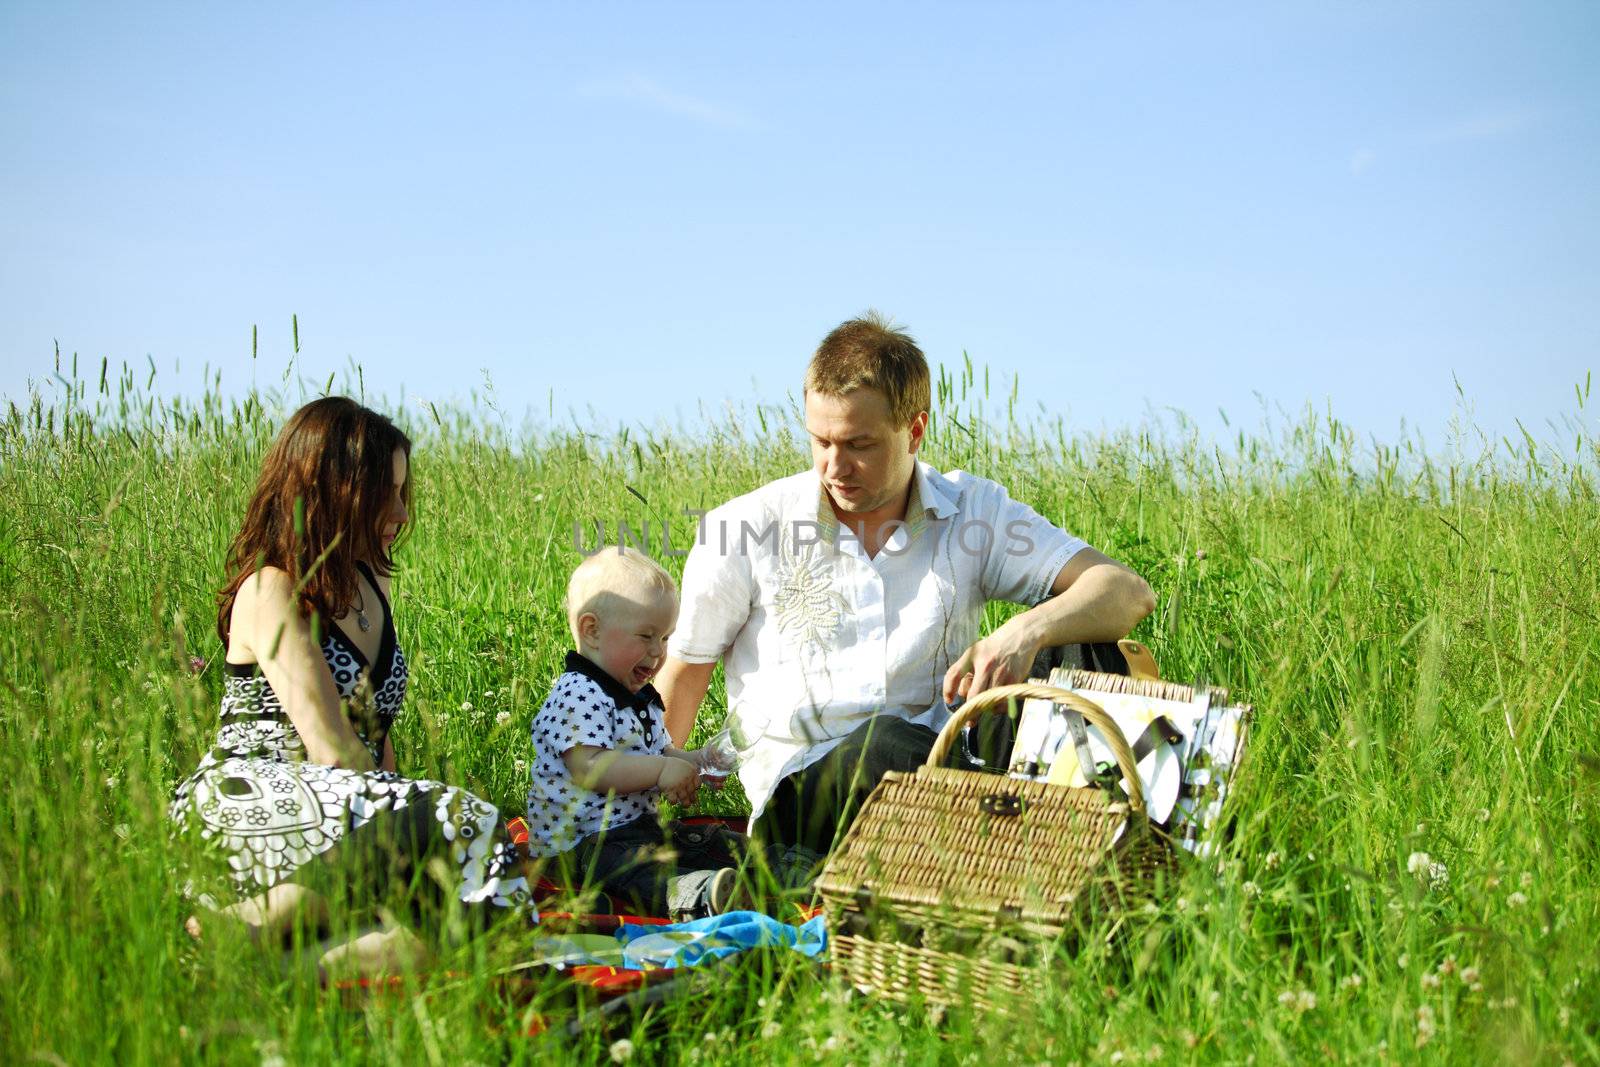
871 351
612 581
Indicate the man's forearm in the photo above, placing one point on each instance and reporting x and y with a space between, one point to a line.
682 687
1104 604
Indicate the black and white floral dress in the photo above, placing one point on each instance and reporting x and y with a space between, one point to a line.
269 812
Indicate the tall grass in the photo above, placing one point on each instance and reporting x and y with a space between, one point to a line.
1417 630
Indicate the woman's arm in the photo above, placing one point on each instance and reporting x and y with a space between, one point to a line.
266 625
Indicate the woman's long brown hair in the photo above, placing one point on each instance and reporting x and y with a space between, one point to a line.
326 484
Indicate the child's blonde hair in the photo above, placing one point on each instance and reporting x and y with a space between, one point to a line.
611 581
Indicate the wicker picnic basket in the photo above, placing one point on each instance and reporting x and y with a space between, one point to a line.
953 886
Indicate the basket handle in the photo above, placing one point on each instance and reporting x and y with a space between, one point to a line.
1000 696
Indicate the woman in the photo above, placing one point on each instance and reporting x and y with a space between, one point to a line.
299 793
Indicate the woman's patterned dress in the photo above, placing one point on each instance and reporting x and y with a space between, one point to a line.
270 813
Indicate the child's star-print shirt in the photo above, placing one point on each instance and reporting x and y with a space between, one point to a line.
588 707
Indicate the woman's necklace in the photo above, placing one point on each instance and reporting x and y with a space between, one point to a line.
361 612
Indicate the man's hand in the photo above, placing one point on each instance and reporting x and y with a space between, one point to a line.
679 780
1004 657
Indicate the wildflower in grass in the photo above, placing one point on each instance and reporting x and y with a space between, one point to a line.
197 664
1483 814
1251 890
1448 967
503 718
1199 553
1274 860
1425 1025
1404 961
1299 1001
1418 861
1525 879
1469 978
771 1030
488 694
1430 981
621 1050
1492 882
1350 983
466 705
1517 899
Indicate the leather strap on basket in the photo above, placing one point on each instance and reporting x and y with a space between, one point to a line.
998 698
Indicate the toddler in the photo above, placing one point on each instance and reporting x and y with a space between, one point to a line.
604 758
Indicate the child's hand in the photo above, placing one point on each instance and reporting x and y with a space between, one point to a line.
679 780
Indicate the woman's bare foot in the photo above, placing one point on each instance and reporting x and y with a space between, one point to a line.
265 918
395 950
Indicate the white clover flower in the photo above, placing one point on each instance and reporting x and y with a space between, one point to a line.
1525 879
621 1050
1182 904
1251 890
771 1030
1418 861
1300 1000
1274 860
1430 981
502 718
520 766
1425 1025
1351 982
466 705
1517 899
1483 814
1469 975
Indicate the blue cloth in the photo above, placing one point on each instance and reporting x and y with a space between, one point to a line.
686 944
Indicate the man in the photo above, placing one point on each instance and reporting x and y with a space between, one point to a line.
845 601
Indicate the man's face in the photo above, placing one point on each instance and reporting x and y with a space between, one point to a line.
863 458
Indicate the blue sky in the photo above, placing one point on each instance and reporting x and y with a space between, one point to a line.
642 207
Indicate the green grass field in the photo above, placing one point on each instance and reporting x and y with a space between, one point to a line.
1417 631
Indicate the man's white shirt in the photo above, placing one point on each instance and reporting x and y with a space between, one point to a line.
816 637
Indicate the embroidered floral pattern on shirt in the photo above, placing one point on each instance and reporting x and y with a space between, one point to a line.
807 607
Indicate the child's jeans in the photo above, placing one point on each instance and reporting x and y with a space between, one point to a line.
655 870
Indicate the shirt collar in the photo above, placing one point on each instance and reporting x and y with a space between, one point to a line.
578 663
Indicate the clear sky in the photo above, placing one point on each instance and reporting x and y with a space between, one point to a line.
643 206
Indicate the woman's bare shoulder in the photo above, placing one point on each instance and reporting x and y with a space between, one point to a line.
269 586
